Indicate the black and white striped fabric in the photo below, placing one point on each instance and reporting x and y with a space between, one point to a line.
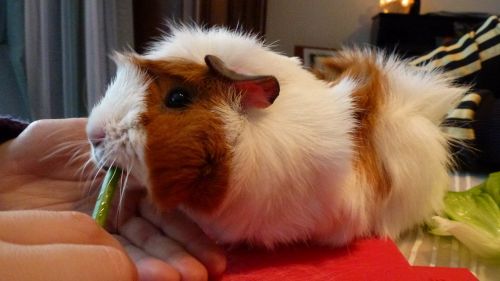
468 55
458 122
474 59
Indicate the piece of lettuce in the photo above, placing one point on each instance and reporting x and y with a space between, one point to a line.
105 196
473 217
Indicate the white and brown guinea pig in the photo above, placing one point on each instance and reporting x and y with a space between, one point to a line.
255 148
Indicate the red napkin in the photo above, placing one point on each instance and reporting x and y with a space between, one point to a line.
371 259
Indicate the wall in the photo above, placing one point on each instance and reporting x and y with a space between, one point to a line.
332 23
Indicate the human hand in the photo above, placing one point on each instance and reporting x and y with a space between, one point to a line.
42 169
48 245
46 168
169 244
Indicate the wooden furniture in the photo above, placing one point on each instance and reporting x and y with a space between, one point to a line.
413 35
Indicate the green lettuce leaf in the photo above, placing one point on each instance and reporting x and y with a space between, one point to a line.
473 217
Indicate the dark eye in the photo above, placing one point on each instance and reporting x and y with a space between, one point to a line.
178 98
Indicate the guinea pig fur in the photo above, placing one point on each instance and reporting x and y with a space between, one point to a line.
326 161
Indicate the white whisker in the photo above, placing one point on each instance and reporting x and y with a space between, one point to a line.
78 156
85 176
61 149
101 165
82 171
54 133
124 187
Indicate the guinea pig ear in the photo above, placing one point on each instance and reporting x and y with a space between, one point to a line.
256 91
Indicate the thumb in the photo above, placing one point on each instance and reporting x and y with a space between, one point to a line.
60 262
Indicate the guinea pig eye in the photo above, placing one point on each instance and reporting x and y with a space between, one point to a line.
178 98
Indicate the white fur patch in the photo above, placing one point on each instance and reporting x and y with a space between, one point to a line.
118 114
411 145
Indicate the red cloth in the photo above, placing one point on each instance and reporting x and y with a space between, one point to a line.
371 259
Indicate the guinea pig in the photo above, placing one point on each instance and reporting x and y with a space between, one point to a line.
255 148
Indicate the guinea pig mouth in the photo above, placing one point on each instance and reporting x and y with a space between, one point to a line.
105 158
119 154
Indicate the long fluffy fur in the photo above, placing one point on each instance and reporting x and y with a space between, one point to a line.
293 176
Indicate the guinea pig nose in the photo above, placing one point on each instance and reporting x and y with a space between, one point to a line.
96 136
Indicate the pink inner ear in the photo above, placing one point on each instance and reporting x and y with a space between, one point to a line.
259 93
256 91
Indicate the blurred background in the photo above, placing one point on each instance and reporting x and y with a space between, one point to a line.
54 54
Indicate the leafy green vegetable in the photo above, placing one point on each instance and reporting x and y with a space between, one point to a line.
473 217
106 195
493 187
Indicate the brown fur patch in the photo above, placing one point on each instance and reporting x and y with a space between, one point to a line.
186 149
368 98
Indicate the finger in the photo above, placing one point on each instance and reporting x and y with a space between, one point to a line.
49 145
147 237
48 227
177 226
58 262
135 253
55 128
43 137
124 206
149 268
